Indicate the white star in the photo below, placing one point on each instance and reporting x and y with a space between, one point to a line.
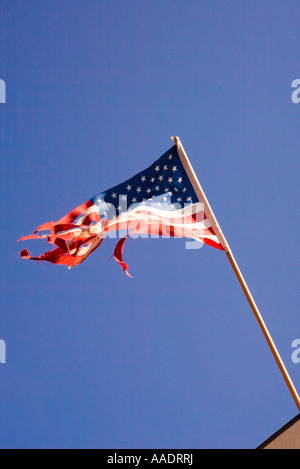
179 199
124 197
114 195
119 208
99 201
143 179
174 169
134 200
166 189
161 178
159 204
170 180
170 157
105 213
176 189
152 180
165 199
189 199
139 189
180 180
165 167
157 188
184 189
157 168
128 187
148 191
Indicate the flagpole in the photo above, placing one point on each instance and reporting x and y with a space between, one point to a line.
210 214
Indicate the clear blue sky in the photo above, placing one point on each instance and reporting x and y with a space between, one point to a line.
173 358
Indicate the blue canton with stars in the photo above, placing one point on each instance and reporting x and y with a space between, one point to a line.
164 185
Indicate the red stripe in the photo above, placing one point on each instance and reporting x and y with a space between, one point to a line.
118 254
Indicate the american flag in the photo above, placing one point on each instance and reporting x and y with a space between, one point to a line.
159 201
